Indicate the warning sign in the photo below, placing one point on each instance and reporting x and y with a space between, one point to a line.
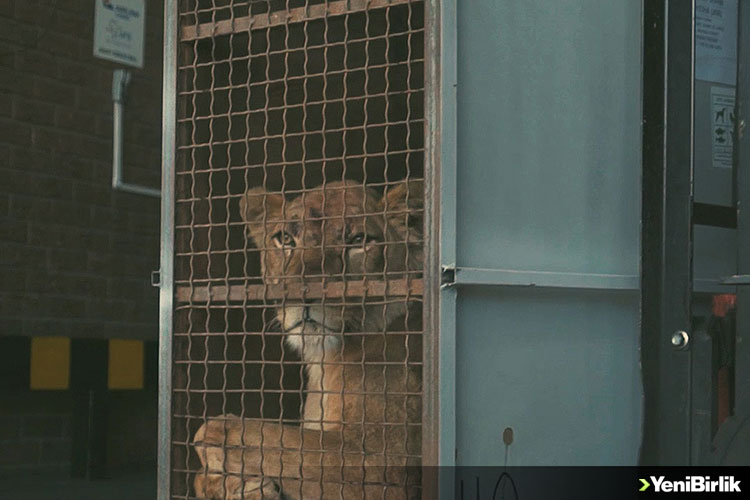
118 31
722 126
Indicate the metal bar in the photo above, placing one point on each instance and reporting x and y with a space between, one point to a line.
166 271
307 290
702 396
431 294
675 417
282 18
737 279
668 90
447 77
120 82
711 286
542 279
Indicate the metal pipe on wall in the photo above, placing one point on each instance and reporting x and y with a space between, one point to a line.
120 82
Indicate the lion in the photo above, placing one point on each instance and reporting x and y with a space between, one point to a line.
360 435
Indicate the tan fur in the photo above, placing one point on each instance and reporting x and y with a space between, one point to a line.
361 430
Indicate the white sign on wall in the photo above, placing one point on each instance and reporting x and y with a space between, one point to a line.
716 41
119 30
722 126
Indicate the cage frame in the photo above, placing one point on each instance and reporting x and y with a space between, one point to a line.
439 108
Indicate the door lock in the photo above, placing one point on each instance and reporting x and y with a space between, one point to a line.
680 340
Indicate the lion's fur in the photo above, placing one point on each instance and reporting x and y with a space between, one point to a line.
362 411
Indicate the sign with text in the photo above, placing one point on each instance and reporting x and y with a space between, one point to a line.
119 30
716 41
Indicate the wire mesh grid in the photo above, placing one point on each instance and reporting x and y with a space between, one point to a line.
298 249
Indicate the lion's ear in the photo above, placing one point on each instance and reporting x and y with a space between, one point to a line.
258 206
404 202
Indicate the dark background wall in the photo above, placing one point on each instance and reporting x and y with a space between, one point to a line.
75 256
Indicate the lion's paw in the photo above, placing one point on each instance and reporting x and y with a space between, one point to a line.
219 487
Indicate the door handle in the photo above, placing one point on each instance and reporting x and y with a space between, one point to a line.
680 340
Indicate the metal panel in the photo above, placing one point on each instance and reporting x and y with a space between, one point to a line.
548 135
703 396
728 402
714 258
556 367
713 248
548 194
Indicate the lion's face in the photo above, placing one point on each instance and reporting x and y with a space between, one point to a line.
339 231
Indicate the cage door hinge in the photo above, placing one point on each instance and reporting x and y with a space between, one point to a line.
447 276
156 278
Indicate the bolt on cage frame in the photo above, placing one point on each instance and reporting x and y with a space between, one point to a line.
287 97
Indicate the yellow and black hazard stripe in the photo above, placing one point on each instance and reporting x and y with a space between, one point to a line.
50 364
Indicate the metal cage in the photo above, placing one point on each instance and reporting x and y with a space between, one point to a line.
292 278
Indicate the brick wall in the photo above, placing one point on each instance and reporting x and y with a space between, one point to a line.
36 438
76 256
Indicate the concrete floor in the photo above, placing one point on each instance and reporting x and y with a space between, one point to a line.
135 486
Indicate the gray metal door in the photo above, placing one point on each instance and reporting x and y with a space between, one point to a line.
736 434
694 235
540 233
721 362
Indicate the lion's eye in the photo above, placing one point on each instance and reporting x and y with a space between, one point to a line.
283 239
359 238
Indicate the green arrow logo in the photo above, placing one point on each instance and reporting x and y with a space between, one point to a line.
646 484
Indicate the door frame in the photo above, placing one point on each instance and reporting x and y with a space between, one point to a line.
667 210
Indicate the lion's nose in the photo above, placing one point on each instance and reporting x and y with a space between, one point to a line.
317 262
306 313
312 261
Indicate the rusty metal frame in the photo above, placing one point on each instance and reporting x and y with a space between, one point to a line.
431 297
313 290
281 18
